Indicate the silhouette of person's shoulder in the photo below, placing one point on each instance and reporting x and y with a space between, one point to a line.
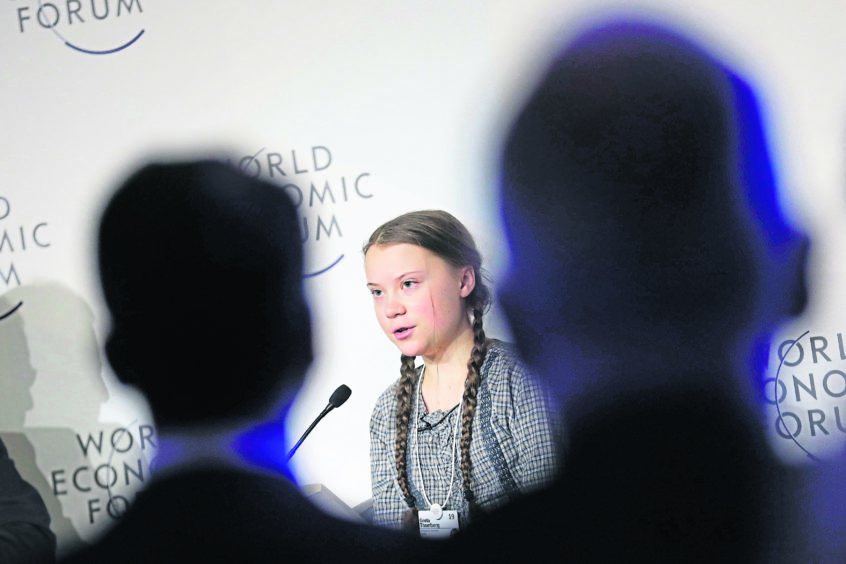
672 474
230 515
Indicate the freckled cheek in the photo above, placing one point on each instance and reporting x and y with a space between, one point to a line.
447 305
424 315
420 310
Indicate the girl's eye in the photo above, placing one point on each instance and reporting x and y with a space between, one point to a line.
376 293
409 284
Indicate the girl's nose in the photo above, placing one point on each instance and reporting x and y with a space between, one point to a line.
394 307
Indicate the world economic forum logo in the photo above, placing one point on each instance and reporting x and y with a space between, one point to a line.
805 389
324 194
18 241
13 309
92 27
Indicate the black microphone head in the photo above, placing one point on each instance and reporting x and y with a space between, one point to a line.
340 395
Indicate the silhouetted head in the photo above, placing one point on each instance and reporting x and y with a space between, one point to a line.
201 268
627 205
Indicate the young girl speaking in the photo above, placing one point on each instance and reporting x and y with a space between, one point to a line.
468 429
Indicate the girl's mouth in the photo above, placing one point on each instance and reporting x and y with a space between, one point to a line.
403 332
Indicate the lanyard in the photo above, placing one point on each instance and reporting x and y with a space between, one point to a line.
435 508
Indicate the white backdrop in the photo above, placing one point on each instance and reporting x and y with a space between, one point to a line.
385 107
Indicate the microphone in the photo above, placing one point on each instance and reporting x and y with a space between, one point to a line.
337 399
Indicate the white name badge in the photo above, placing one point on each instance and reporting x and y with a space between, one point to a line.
441 527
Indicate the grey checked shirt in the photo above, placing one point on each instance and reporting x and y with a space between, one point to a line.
513 411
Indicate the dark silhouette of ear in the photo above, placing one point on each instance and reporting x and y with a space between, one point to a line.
796 277
119 357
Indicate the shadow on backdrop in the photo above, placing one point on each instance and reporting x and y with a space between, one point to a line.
53 391
650 262
25 533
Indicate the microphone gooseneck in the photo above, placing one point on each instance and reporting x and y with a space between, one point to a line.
337 399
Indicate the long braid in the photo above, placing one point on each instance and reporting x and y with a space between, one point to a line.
405 397
442 234
471 390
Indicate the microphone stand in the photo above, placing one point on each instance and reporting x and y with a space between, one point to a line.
323 413
337 399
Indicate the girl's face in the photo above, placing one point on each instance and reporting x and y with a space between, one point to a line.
418 297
